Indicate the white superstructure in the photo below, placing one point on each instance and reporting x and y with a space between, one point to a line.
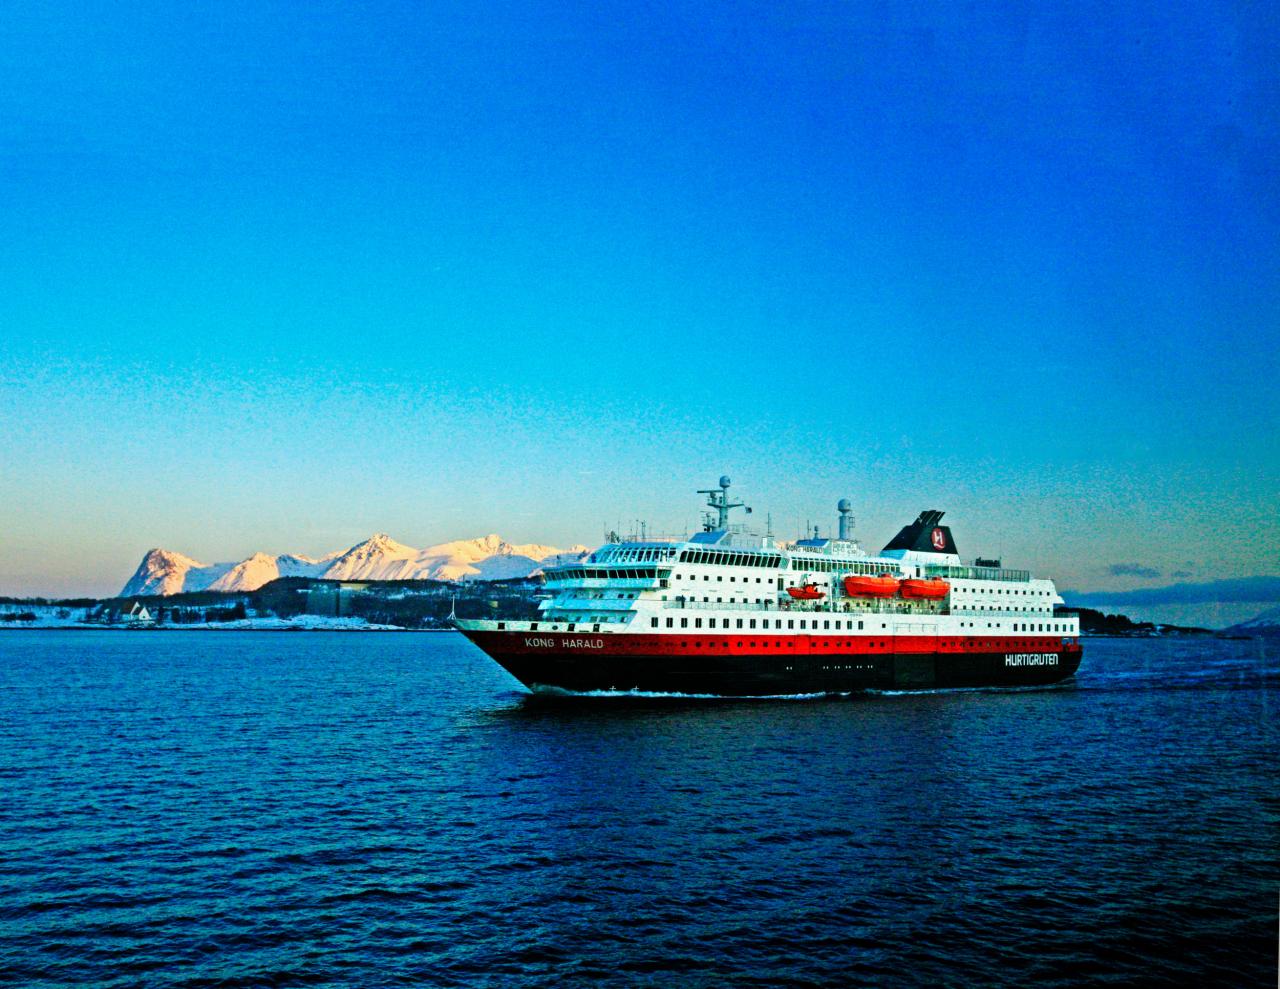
728 580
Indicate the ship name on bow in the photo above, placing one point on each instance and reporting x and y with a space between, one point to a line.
549 643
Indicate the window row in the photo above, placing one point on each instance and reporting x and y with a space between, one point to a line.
826 624
630 554
810 564
604 573
720 577
726 558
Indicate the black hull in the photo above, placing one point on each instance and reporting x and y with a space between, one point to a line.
763 675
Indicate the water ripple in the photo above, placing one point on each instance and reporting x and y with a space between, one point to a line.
263 810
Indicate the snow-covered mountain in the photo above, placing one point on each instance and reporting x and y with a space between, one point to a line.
1267 623
377 558
165 572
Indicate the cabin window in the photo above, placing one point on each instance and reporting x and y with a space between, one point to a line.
684 623
501 626
670 622
595 628
791 623
753 623
859 624
653 623
697 623
739 623
533 626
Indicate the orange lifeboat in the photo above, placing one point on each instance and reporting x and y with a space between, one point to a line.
931 589
883 586
807 592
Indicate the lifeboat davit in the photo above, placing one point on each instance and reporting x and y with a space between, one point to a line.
807 592
883 586
930 589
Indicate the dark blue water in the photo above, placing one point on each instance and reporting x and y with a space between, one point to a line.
244 809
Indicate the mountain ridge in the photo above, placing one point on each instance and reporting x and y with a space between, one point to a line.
1266 623
490 557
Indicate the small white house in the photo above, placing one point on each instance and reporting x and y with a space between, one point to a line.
138 615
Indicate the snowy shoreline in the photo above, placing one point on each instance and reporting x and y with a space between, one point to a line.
229 627
47 619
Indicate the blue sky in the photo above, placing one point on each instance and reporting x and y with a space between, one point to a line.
275 276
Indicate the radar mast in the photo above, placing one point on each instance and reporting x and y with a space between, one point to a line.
718 499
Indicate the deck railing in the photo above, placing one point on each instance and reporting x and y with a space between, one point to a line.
841 607
977 573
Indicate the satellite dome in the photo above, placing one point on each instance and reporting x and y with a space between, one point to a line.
844 505
724 480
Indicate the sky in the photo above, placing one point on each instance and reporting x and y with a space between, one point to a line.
276 276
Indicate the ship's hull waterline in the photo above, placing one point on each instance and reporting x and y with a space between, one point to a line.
765 666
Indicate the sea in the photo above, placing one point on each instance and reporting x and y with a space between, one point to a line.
229 809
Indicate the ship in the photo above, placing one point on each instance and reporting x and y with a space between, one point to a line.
728 612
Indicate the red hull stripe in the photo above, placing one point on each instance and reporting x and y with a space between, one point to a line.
542 643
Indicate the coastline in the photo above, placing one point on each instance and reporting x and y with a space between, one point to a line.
262 623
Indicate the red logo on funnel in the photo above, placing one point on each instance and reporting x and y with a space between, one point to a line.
938 539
